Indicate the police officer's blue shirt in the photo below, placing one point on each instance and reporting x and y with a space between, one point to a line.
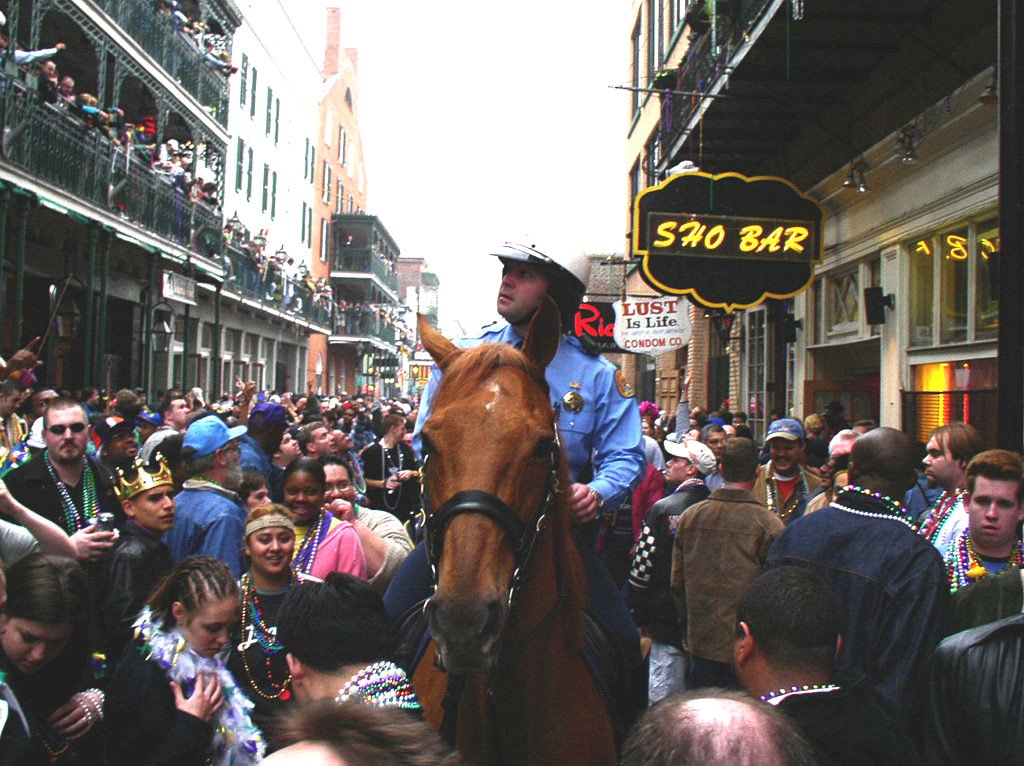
604 433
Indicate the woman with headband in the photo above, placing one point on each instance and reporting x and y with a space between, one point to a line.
257 657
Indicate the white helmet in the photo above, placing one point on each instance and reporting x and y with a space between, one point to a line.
575 266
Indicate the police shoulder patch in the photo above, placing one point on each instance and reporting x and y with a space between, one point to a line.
623 385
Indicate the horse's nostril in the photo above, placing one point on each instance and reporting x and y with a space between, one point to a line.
492 627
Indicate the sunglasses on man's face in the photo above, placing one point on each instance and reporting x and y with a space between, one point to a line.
58 430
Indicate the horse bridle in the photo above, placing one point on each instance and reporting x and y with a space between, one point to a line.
524 537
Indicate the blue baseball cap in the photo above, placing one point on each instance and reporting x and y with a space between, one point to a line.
209 434
152 418
785 428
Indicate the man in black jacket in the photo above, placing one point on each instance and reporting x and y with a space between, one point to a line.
65 485
648 594
140 559
973 705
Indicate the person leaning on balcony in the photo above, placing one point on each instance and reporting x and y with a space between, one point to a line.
24 58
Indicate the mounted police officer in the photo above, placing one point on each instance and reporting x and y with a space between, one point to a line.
597 411
598 420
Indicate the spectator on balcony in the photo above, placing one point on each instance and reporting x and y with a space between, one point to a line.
66 91
23 57
217 60
48 82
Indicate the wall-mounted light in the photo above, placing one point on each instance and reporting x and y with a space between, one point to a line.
875 304
906 144
855 178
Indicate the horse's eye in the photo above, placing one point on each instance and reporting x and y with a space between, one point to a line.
543 447
426 446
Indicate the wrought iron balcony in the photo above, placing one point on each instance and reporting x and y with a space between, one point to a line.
359 322
706 60
58 147
269 287
177 54
364 260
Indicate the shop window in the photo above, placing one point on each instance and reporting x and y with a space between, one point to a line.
986 307
953 276
951 285
757 369
842 304
944 392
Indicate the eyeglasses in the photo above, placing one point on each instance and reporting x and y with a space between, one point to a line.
58 430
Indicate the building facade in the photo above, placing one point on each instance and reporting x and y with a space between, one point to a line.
896 139
340 189
115 167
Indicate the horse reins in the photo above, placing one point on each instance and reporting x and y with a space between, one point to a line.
523 537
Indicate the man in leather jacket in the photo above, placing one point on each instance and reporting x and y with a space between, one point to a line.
649 595
140 559
973 703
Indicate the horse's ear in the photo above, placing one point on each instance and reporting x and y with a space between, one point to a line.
441 349
543 334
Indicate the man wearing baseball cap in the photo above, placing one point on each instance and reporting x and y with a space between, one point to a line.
114 439
648 594
210 516
720 548
782 483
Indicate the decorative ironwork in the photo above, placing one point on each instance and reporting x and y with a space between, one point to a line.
173 51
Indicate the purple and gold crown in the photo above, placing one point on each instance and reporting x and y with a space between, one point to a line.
157 474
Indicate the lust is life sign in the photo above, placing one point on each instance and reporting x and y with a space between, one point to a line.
727 240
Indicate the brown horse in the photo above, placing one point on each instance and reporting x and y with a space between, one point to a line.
506 617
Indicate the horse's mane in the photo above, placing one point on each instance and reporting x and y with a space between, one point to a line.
466 371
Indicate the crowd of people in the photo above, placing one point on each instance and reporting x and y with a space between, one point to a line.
191 581
158 558
821 571
181 164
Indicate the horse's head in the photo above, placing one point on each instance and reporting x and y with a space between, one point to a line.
491 469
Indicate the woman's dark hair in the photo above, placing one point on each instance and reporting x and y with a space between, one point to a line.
194 582
54 590
338 622
49 589
308 465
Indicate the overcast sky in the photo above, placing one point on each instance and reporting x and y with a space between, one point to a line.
489 122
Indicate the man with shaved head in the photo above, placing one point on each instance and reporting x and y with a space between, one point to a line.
890 582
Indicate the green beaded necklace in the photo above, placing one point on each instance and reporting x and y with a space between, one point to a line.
74 519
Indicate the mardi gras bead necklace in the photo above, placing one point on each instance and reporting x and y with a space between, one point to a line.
774 697
382 684
771 492
893 507
75 519
943 512
306 554
266 639
964 565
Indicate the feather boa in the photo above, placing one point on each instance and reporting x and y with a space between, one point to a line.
236 741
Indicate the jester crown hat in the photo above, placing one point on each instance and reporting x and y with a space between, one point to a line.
143 477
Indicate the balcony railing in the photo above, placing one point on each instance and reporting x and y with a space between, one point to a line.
269 287
56 146
177 54
364 323
704 64
363 260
